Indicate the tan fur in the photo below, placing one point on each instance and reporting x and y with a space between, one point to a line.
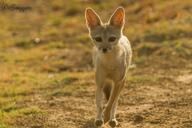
111 60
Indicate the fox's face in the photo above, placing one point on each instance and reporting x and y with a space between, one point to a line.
105 36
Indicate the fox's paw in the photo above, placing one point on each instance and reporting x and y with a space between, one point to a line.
106 115
113 123
98 122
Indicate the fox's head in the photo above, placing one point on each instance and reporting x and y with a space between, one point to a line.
105 36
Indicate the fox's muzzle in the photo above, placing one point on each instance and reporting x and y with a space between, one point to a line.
105 50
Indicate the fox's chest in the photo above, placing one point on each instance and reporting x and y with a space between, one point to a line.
112 64
111 67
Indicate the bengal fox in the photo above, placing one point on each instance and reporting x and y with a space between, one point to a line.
112 57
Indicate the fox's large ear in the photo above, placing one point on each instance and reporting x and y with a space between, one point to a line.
92 19
118 17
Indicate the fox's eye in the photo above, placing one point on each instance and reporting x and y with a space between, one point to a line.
98 39
112 39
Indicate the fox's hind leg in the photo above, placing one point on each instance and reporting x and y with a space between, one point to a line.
107 90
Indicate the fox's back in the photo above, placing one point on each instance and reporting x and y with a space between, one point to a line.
126 44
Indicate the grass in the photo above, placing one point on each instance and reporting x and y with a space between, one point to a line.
59 64
10 113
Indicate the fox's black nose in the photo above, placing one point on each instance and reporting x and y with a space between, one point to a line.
104 50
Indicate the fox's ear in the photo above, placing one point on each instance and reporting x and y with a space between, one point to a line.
118 17
92 19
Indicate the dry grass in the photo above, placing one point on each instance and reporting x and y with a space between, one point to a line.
46 76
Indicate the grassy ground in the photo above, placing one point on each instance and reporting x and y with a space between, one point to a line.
46 76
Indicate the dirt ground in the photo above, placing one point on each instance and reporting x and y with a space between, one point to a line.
47 78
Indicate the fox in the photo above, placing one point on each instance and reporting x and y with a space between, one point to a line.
112 55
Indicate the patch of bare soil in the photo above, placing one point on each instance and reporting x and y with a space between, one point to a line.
150 99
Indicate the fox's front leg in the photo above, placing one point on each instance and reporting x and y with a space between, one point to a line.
100 79
113 122
99 104
110 111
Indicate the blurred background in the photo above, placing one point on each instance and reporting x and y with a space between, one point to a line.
46 71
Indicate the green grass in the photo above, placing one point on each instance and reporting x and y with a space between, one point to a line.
59 65
11 112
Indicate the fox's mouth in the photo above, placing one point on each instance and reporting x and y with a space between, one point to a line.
105 50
